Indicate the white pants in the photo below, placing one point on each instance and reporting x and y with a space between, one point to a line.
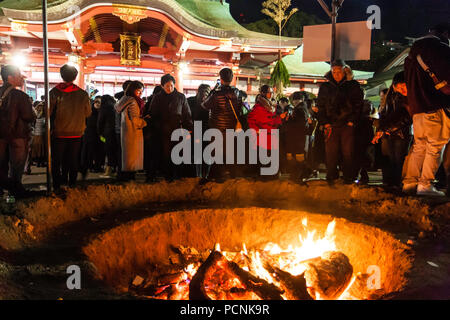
431 134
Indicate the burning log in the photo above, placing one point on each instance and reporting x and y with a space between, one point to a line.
330 276
185 255
172 278
237 294
260 287
294 287
197 287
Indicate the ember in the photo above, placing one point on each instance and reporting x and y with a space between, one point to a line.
312 270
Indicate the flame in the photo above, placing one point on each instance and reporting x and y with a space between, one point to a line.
244 249
305 222
343 295
191 270
291 259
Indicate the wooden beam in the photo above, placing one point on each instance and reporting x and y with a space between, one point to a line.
163 36
94 29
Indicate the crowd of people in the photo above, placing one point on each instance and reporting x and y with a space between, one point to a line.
122 135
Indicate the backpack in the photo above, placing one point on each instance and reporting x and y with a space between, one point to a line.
6 127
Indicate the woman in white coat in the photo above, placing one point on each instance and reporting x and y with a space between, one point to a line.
129 109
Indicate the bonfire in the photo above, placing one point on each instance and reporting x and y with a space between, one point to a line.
313 270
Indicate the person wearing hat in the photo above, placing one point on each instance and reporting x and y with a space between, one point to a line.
340 102
169 110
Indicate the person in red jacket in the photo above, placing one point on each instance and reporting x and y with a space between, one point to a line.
263 116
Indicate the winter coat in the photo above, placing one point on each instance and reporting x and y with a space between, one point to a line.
294 131
422 95
106 120
263 116
16 114
394 117
131 137
198 113
91 125
339 103
218 104
69 108
169 112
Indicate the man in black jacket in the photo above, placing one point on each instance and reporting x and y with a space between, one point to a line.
427 109
220 103
169 110
340 102
151 149
16 114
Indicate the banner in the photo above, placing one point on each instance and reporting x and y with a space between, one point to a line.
353 40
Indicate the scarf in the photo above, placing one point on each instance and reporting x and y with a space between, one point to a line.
141 104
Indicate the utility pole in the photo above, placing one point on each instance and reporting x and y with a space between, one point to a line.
46 99
332 13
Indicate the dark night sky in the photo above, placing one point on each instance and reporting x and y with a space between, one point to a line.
399 18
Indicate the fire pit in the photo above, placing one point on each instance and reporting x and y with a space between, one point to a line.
250 253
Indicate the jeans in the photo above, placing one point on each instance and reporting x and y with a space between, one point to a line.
13 155
341 141
431 134
65 152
